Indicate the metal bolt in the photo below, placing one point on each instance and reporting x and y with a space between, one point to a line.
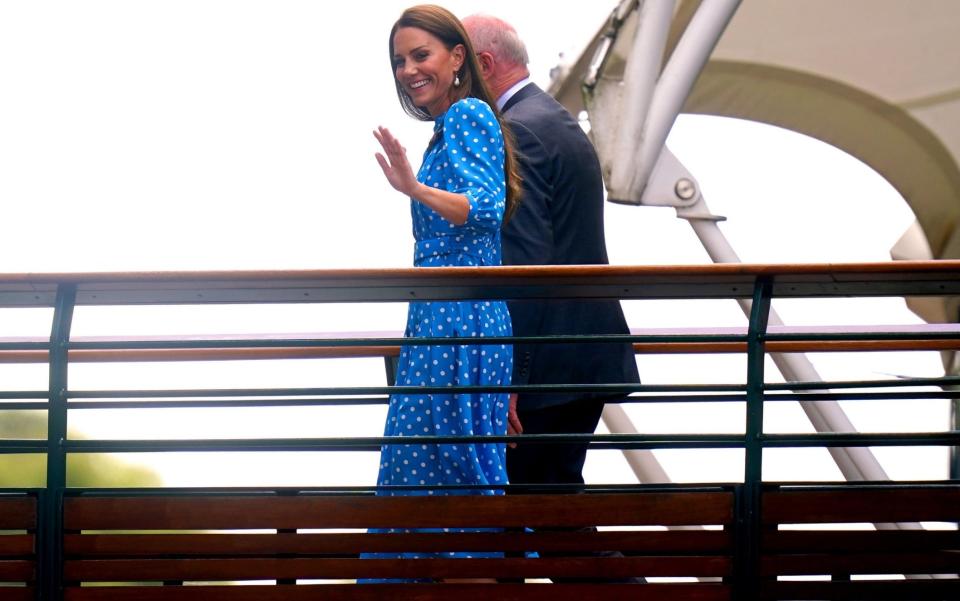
685 189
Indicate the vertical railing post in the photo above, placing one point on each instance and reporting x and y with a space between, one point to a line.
390 368
954 426
747 582
51 539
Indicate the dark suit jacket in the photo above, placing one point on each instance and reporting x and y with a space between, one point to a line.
560 222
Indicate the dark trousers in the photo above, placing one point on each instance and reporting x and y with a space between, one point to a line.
557 463
553 463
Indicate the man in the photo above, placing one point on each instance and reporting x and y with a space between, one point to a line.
559 222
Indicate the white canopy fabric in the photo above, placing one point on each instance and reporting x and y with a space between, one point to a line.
879 79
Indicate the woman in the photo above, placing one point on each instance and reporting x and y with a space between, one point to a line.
466 186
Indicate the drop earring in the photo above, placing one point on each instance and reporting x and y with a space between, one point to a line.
456 80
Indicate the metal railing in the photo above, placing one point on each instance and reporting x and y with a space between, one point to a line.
759 283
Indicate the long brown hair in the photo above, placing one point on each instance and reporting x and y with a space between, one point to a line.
446 27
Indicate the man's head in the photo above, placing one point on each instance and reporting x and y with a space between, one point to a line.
500 51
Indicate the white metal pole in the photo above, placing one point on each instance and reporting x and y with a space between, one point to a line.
643 462
688 59
640 76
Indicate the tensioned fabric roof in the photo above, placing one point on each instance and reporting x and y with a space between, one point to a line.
879 79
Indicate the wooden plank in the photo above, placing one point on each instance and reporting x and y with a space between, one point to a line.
106 570
19 593
17 570
885 590
862 505
411 592
15 545
797 541
18 513
861 563
272 353
800 346
147 545
233 512
205 354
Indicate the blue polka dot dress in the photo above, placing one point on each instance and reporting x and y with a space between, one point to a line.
466 157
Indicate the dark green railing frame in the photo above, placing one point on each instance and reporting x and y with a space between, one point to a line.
761 283
51 537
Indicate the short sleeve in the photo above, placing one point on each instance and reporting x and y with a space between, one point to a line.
474 145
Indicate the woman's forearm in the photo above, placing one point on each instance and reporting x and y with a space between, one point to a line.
453 207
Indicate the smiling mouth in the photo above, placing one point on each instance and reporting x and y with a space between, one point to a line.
419 84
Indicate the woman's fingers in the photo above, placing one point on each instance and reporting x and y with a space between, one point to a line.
390 143
384 142
383 162
391 146
394 161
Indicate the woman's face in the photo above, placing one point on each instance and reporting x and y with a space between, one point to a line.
425 68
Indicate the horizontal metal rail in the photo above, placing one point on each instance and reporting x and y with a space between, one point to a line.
374 443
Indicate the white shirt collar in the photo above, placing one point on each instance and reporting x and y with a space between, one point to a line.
506 96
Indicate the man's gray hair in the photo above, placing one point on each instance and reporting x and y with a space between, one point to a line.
497 37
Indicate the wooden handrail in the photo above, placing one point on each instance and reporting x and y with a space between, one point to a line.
273 353
730 280
270 353
298 352
712 281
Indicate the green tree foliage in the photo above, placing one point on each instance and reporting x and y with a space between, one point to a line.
83 469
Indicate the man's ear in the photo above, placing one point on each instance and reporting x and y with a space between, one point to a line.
486 63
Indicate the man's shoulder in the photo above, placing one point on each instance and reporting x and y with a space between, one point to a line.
534 103
539 116
545 119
